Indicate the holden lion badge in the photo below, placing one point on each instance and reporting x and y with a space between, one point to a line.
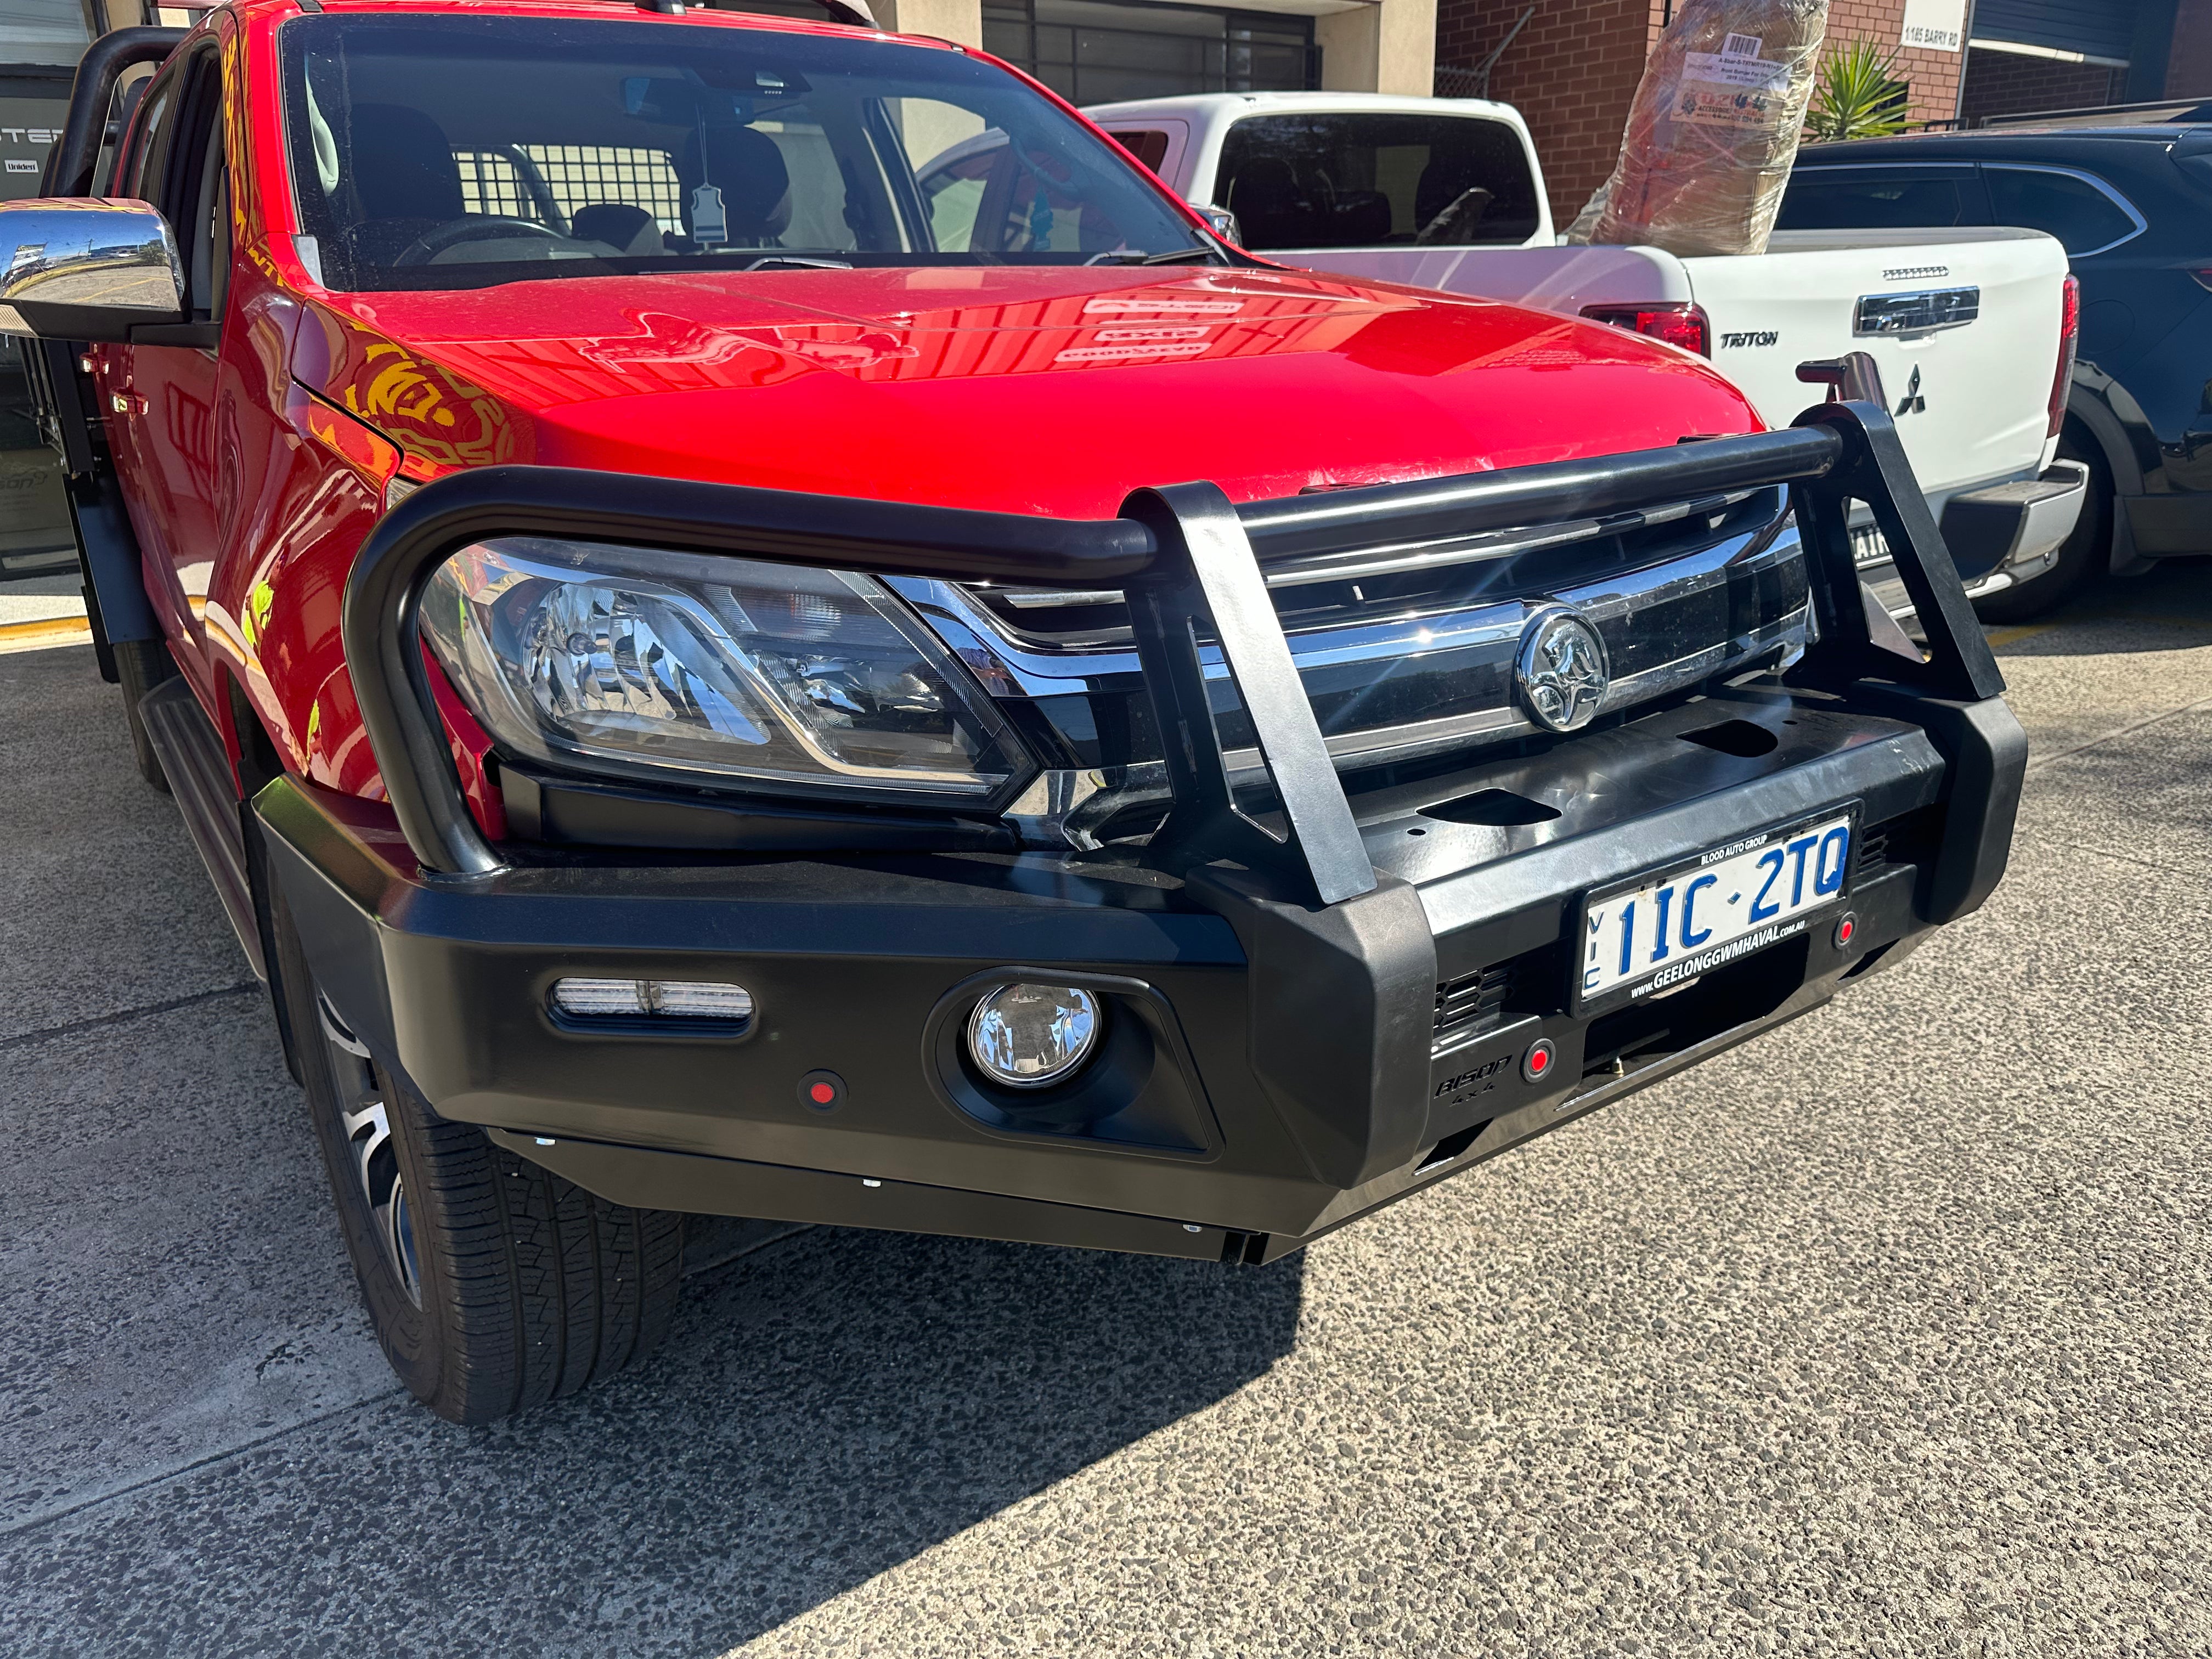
1561 670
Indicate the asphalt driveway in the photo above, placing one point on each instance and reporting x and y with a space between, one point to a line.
1890 1333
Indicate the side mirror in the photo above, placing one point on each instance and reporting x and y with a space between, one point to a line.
1223 222
84 268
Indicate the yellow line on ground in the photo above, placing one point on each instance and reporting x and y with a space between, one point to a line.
45 631
2174 619
2001 637
2004 636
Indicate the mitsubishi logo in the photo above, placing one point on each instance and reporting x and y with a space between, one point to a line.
1912 403
1562 670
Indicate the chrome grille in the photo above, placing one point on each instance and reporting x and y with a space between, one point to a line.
1410 580
1417 658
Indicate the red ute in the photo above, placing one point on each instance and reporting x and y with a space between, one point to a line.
752 620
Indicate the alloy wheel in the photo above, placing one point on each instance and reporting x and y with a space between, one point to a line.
363 1116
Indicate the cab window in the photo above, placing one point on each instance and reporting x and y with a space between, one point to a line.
2082 217
1149 146
142 167
1376 181
196 190
1834 198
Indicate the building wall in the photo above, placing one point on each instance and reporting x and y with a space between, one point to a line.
1382 46
2189 65
2013 83
1572 72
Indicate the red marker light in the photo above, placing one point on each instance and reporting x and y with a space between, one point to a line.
1846 927
822 1094
1537 1064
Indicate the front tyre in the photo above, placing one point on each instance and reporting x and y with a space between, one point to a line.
493 1284
140 665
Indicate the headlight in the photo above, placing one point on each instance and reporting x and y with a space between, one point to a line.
650 663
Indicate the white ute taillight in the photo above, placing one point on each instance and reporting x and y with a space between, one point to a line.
2069 337
1681 325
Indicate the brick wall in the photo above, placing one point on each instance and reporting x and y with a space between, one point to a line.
1933 76
2013 83
2189 66
1572 72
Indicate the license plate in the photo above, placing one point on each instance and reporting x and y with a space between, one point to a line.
1659 930
1867 547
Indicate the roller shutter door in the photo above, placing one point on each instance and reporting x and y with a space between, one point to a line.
2103 30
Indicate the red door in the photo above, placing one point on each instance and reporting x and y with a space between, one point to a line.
161 418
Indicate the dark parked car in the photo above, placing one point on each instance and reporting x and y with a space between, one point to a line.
2133 206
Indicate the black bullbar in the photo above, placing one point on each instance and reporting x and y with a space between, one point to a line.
1305 1018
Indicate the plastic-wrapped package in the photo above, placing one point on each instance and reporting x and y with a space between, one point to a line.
1713 130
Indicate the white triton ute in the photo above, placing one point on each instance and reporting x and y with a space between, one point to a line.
1966 337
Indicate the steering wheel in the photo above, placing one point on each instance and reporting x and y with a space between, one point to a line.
454 232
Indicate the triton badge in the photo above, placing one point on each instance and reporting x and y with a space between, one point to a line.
1561 670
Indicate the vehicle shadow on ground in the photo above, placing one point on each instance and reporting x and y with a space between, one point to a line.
826 1408
2167 608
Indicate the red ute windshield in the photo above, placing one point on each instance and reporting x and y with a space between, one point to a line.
457 152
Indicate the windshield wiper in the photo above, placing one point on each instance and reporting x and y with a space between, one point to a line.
798 260
1174 256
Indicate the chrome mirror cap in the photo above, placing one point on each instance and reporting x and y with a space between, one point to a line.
1223 222
85 269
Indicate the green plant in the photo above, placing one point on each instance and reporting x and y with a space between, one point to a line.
1856 95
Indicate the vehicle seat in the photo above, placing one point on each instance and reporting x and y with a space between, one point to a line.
626 229
404 178
749 170
1362 219
1270 209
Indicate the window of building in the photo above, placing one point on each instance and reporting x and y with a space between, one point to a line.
1363 180
2080 214
1093 52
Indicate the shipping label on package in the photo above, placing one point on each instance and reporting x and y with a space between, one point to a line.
1743 111
1738 65
1735 87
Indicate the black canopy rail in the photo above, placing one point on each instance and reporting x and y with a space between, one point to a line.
1192 564
74 162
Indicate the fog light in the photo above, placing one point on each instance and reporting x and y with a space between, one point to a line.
654 999
1027 1036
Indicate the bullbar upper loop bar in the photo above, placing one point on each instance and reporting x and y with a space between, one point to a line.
383 593
1341 521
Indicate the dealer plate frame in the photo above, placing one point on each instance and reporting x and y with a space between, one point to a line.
1623 993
